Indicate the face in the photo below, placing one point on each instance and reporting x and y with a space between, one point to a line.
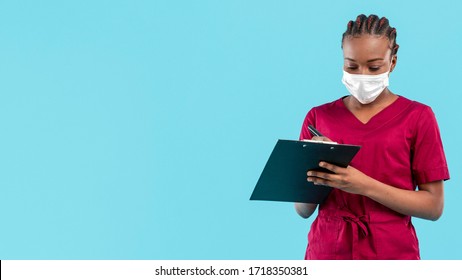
367 55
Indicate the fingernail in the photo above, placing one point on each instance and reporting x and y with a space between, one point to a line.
310 179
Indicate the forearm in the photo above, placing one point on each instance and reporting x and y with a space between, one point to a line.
427 203
305 210
422 203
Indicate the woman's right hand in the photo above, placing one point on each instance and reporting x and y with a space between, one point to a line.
321 138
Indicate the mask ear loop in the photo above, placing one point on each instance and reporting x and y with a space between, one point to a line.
391 64
389 69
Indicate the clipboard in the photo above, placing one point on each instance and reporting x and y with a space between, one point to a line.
284 176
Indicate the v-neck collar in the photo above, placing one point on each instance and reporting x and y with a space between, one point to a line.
379 118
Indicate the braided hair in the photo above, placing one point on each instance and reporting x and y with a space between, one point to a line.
372 25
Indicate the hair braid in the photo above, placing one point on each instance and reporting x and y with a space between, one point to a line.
372 25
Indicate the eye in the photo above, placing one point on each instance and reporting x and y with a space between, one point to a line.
352 67
374 68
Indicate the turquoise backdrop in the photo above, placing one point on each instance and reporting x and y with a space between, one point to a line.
138 129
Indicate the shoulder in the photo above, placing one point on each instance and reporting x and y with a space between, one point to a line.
415 112
319 114
415 106
323 111
421 116
327 107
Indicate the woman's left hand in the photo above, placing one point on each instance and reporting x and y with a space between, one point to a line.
347 179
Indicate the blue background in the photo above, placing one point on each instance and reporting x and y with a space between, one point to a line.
138 129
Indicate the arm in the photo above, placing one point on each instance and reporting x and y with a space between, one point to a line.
426 203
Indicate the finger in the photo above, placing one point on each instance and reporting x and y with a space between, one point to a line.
330 167
322 175
320 138
330 182
320 181
312 173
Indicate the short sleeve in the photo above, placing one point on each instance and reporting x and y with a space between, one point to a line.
309 119
428 158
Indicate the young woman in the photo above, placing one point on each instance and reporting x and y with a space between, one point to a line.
399 170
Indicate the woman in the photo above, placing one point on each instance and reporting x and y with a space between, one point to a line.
368 213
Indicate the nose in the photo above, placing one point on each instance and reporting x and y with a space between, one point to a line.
364 70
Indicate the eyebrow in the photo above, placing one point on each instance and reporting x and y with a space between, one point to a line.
370 60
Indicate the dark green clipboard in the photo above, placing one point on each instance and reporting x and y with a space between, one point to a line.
284 176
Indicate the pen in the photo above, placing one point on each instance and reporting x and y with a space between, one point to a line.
314 131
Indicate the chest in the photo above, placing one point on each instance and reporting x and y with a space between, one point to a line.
364 116
384 143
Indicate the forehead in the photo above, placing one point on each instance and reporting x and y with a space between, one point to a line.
366 47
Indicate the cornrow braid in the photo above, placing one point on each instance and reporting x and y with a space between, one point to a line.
372 25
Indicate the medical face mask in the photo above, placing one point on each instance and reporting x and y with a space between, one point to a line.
365 88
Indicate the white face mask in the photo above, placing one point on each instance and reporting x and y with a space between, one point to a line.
365 88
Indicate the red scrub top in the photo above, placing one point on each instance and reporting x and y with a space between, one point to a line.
401 147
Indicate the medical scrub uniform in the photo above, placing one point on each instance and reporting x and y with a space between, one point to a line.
400 146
